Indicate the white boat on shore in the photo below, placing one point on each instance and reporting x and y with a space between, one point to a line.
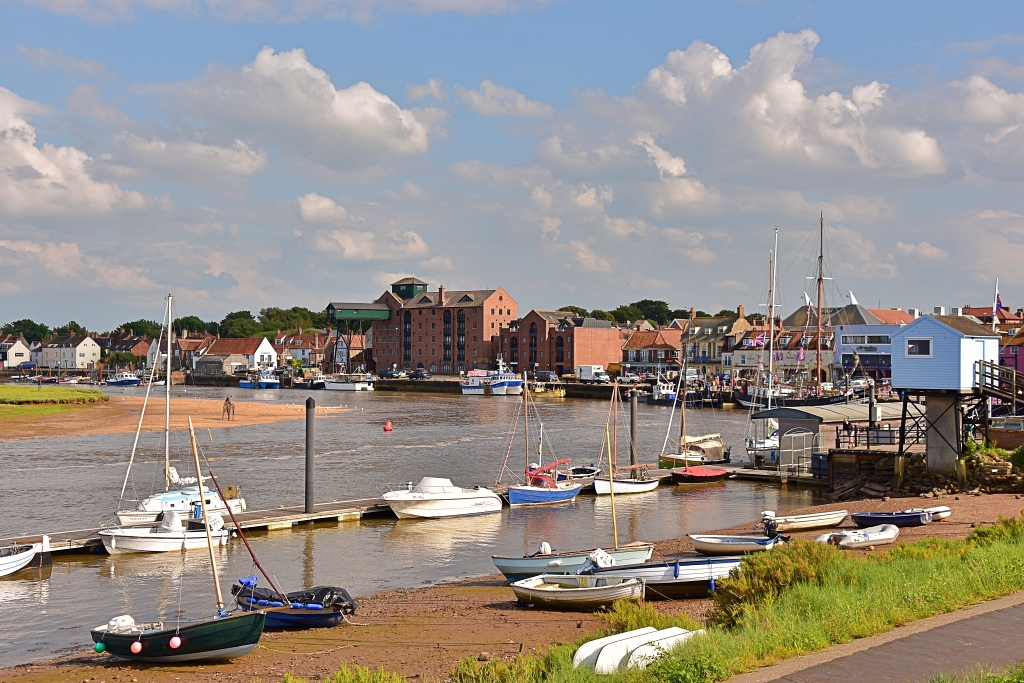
547 562
814 520
16 557
883 534
170 536
715 544
576 593
434 498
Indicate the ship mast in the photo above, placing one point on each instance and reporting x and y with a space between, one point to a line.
821 279
167 403
772 263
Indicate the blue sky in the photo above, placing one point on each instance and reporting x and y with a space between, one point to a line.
590 153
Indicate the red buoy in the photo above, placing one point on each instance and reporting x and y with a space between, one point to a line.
387 426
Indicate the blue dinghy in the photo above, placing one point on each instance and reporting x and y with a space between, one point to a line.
317 607
901 519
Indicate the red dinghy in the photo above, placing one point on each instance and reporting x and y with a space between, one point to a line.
698 475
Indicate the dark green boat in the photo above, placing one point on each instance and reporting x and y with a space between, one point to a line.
216 639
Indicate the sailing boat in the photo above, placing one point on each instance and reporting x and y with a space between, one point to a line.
699 474
541 488
639 484
185 495
225 636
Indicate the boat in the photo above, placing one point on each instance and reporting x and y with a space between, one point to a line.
224 636
615 655
716 544
69 381
759 400
642 656
579 472
586 654
318 382
264 379
662 394
814 520
679 578
883 534
360 381
939 512
639 480
900 519
603 487
703 449
504 382
547 390
316 607
123 378
547 562
17 556
476 383
698 475
575 592
170 536
433 498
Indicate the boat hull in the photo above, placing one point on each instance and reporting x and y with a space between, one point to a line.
347 386
117 541
447 507
603 487
818 520
299 617
883 534
576 593
899 519
215 640
17 559
707 544
692 578
699 475
519 568
535 495
122 383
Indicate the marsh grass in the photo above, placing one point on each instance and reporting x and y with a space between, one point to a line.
1015 674
357 674
24 395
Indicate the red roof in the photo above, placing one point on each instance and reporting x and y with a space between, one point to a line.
890 317
228 347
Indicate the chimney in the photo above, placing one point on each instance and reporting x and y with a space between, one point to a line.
440 295
184 334
693 312
739 311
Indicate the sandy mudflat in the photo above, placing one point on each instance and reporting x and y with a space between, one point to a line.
422 633
121 416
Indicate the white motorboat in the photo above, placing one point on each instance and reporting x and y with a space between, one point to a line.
318 382
353 382
170 536
714 544
478 383
814 520
16 557
883 534
434 497
576 593
938 512
603 487
181 500
123 379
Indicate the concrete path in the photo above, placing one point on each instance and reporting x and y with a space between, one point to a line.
990 635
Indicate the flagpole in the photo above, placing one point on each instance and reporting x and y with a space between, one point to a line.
995 306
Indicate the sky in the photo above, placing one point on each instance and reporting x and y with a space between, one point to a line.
259 153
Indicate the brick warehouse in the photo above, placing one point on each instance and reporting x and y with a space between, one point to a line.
559 341
446 332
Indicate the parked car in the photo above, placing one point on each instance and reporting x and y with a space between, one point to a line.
544 376
387 374
419 373
630 378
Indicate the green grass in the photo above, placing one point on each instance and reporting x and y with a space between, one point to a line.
357 674
1015 674
35 395
799 599
28 410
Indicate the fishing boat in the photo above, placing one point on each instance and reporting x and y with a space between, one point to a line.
883 534
679 578
224 636
504 382
574 592
318 382
716 544
476 383
698 475
350 382
662 394
17 556
264 379
814 520
317 607
123 378
900 519
547 562
433 498
547 390
170 536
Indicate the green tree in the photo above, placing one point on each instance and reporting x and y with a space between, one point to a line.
239 324
125 358
598 314
725 313
72 328
627 313
31 330
657 311
581 312
143 328
189 322
291 319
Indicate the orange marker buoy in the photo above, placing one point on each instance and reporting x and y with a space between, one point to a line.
387 426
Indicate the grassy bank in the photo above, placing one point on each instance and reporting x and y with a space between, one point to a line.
51 395
799 599
1014 674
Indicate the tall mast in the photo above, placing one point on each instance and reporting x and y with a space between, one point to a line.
682 418
772 263
821 279
614 458
526 409
167 402
206 513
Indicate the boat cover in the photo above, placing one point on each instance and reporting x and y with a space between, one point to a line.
328 596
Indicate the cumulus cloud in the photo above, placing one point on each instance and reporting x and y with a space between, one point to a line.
281 99
861 255
45 58
435 88
315 208
922 250
350 239
688 244
193 161
67 262
47 180
667 165
586 259
492 99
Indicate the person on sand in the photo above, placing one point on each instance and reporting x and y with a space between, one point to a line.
228 410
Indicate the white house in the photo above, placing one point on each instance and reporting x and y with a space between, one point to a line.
253 352
70 353
938 352
14 351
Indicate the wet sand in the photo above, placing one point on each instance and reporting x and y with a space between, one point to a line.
422 633
121 416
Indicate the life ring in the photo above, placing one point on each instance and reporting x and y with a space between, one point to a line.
231 492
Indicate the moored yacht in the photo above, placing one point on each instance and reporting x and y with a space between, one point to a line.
181 500
123 379
353 382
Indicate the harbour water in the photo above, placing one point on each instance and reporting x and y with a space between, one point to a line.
73 482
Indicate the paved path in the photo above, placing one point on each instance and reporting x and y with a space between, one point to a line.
989 635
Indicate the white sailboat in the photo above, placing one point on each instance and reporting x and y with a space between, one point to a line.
640 481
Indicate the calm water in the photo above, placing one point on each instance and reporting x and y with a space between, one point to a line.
73 482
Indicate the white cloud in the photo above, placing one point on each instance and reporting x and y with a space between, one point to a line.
351 239
689 244
586 259
498 100
986 45
434 88
45 58
667 165
315 208
193 161
281 99
922 250
861 255
438 263
997 214
47 180
987 103
68 263
554 151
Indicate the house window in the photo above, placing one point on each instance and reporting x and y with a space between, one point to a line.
474 325
433 352
661 354
853 339
1013 351
492 311
919 348
879 339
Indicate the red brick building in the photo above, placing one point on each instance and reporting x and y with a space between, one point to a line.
446 332
559 341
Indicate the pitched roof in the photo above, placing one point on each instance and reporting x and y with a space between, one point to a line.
227 347
890 317
668 339
965 326
65 342
408 281
452 299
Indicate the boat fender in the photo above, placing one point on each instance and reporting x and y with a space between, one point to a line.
263 603
675 571
555 563
297 605
387 426
252 601
712 584
175 642
137 647
313 605
100 647
277 603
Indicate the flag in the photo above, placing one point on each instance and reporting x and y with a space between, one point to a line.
997 305
759 340
800 355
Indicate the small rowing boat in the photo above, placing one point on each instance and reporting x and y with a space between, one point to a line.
901 519
883 534
714 544
16 557
693 577
814 520
699 475
546 561
938 513
576 593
